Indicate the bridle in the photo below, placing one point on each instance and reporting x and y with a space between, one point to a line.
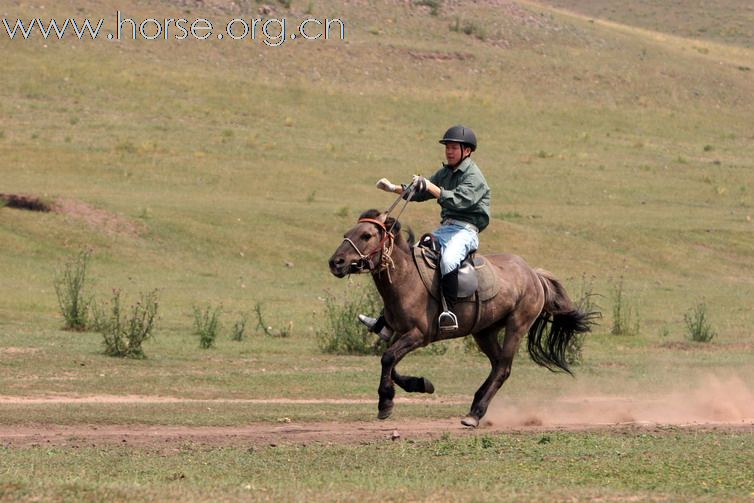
366 261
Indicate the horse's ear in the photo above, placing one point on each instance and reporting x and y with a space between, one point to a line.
394 226
371 214
382 217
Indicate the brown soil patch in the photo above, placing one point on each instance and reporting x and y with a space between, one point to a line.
110 223
140 399
441 56
701 346
171 438
722 406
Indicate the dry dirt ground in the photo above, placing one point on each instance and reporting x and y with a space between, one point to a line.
567 414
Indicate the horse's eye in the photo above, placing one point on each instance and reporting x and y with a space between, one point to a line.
366 236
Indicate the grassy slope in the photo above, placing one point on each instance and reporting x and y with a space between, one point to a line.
622 148
727 21
610 150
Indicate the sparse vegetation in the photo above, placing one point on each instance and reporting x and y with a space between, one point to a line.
469 27
207 324
698 327
69 287
626 320
268 330
239 329
340 331
125 332
586 303
434 5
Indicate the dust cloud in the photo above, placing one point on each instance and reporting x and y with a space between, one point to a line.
713 400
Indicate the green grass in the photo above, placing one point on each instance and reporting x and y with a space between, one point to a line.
623 144
480 468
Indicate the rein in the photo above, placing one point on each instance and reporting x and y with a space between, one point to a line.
386 244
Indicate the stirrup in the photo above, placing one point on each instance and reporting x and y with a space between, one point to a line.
451 323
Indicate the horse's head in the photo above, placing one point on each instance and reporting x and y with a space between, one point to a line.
365 244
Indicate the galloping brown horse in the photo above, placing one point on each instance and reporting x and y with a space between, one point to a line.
529 301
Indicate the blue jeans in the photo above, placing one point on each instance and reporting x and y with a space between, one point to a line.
456 242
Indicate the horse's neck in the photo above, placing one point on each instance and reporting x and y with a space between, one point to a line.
394 282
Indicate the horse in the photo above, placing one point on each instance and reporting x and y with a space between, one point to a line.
530 301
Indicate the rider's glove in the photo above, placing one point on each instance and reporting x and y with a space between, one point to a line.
420 183
385 185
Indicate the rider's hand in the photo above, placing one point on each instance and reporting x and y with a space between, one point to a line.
420 183
385 185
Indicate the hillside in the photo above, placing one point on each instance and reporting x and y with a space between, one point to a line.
610 151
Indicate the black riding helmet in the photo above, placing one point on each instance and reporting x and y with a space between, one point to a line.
460 134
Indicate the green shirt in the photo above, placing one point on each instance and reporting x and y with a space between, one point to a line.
464 193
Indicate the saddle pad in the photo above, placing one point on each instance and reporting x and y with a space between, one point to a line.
425 262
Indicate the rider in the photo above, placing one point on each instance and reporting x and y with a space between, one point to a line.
464 196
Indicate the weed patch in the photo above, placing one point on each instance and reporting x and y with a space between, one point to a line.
69 288
698 327
340 331
207 324
626 319
125 332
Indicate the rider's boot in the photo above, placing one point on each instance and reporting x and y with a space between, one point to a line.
447 320
377 326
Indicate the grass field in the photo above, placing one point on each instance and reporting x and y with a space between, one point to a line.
618 142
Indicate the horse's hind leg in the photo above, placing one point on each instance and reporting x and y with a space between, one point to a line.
501 360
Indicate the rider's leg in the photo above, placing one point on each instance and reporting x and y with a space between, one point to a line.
456 242
377 326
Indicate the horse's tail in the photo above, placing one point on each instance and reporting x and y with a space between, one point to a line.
557 326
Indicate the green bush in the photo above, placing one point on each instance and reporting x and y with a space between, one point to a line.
124 333
69 288
268 330
239 329
207 325
586 303
434 5
341 332
698 328
626 319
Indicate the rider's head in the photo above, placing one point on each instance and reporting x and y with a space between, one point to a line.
459 142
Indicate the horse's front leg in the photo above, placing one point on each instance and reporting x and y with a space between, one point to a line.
401 347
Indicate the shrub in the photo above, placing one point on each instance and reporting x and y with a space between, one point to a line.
207 325
586 304
69 288
124 333
267 329
239 329
434 5
698 328
341 332
625 314
471 28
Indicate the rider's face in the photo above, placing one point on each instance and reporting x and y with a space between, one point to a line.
453 153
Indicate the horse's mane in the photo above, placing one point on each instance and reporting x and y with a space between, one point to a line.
394 225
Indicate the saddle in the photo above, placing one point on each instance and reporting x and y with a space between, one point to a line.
476 278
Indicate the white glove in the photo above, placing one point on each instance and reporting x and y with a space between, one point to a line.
385 185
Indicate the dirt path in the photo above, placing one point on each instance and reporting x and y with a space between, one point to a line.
725 405
264 434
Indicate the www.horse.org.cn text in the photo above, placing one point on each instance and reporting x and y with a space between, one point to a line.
272 32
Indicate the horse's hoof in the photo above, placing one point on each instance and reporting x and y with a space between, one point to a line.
384 414
428 386
470 422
